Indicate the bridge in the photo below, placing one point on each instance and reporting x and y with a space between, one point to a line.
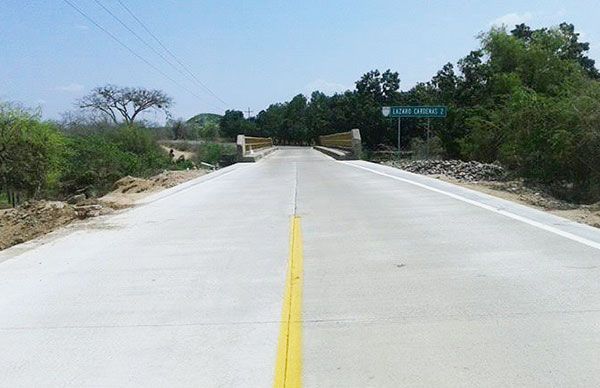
302 270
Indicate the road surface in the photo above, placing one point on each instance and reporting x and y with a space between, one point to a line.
309 270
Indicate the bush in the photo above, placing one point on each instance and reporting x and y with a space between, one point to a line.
95 162
140 143
427 149
31 153
216 153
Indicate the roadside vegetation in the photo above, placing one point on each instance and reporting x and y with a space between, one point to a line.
527 99
97 159
91 149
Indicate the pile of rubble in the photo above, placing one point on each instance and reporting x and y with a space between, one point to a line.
164 180
35 218
457 169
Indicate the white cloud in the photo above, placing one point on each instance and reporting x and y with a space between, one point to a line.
70 88
326 87
82 27
512 19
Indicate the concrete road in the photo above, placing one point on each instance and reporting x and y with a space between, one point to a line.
397 280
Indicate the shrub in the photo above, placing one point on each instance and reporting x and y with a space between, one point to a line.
95 162
140 143
31 153
427 149
216 153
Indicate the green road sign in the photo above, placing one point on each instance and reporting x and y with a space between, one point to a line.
415 111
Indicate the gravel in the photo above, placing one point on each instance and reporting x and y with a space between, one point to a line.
457 169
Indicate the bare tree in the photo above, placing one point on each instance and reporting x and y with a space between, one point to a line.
124 102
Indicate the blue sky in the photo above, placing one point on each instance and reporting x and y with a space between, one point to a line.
249 53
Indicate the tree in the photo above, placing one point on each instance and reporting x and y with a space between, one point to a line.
569 47
124 102
475 75
573 49
318 116
381 87
232 124
30 152
294 121
179 129
445 83
270 121
522 31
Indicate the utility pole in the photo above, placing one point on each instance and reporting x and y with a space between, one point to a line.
249 112
428 136
399 131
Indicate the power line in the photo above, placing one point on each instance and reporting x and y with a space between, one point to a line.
122 23
134 33
91 20
186 68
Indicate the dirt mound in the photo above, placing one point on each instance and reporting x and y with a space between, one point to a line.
128 190
164 180
132 185
168 179
33 219
36 218
466 171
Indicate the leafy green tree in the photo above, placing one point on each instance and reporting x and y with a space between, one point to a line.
475 74
318 116
569 46
294 120
382 87
31 152
270 121
232 124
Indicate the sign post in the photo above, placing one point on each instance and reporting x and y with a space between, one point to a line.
399 131
428 136
428 112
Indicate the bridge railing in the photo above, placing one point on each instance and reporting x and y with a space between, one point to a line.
250 148
255 143
348 141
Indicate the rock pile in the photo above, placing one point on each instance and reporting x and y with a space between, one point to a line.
94 210
35 218
457 169
32 219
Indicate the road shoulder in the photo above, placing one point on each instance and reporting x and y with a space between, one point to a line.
559 225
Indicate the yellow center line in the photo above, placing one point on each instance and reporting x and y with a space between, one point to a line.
288 368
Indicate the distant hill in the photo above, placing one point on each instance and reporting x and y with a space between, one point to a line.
204 118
